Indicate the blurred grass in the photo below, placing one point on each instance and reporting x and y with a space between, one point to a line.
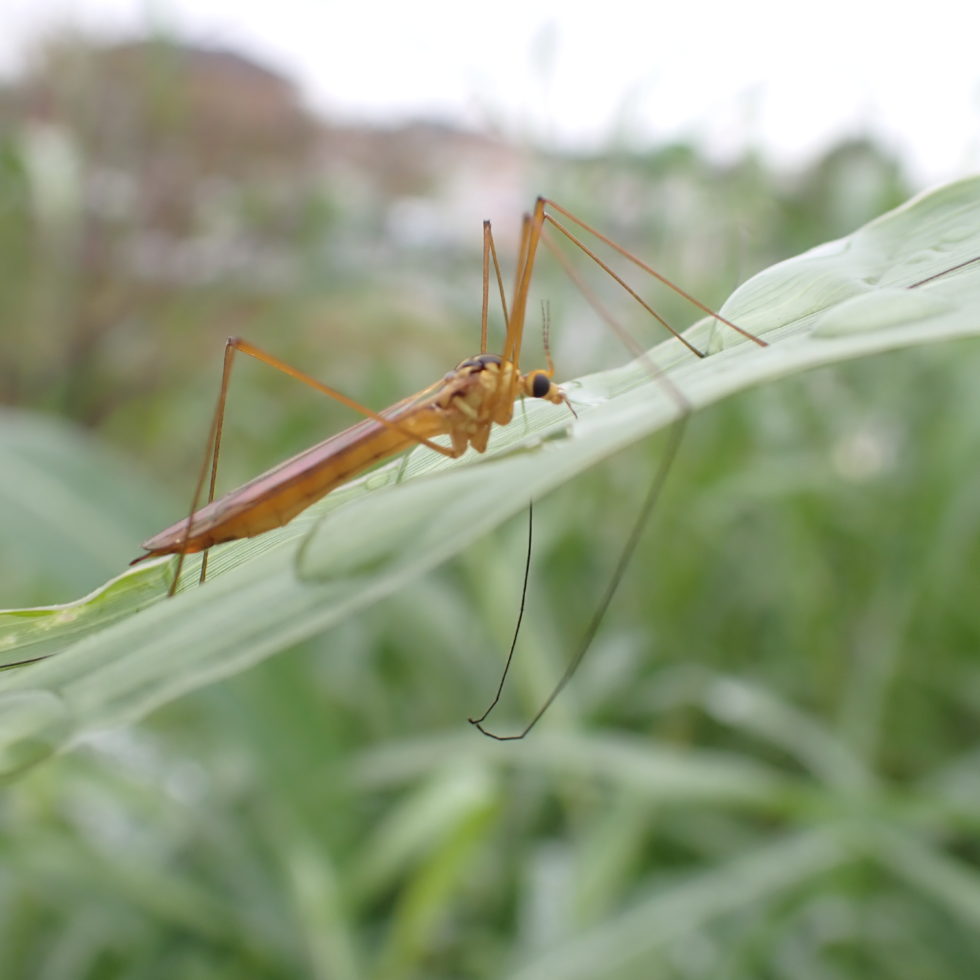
766 768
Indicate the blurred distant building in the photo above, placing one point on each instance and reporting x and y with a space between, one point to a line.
171 137
437 182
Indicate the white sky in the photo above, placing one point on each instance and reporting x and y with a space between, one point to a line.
788 77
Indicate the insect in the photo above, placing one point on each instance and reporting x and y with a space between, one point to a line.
464 405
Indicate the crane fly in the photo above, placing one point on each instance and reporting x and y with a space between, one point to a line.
464 405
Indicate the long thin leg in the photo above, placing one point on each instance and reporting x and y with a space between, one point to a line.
210 456
533 232
945 272
530 235
613 275
517 626
653 494
656 487
244 347
649 503
490 254
627 254
625 337
213 448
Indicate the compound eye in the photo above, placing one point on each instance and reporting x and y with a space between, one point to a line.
540 384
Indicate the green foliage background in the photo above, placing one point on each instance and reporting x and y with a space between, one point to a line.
768 765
